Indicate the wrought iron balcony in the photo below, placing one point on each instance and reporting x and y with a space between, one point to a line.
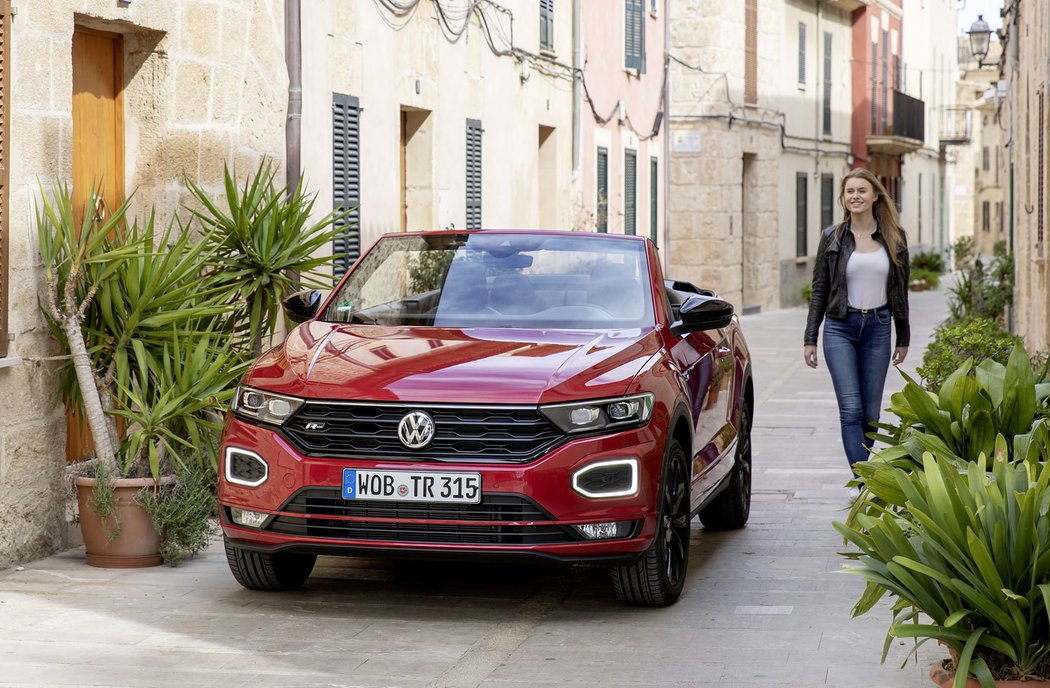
903 131
955 126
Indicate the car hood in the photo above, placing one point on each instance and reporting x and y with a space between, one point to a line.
335 361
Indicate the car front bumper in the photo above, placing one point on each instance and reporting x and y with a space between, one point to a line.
545 484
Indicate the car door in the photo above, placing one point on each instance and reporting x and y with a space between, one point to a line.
696 356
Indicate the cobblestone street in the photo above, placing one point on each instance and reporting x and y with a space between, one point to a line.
763 606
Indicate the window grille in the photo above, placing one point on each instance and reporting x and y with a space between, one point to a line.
634 35
346 181
601 207
827 200
801 210
827 84
473 174
630 195
801 53
751 51
547 25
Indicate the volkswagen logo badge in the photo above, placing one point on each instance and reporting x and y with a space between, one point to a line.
416 429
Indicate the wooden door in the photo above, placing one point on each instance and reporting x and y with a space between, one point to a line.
98 153
98 117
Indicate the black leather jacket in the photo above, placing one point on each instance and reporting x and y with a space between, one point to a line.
829 282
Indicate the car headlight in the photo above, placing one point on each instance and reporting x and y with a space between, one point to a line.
601 414
265 407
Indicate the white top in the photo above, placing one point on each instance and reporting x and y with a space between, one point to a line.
866 277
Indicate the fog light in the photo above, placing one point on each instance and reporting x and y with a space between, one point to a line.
252 519
604 531
607 479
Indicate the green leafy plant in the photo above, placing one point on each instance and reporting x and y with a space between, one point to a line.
990 408
262 247
962 252
807 292
967 557
956 341
930 261
921 279
984 291
182 513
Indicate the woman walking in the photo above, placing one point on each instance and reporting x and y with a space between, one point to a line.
860 283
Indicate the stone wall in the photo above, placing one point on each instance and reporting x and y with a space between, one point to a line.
204 84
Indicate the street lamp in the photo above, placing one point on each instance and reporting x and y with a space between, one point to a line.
980 36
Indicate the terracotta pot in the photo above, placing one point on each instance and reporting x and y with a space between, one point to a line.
944 678
138 544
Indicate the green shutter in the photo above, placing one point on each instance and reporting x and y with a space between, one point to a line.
630 195
473 174
346 180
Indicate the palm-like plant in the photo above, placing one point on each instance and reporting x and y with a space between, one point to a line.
262 246
968 559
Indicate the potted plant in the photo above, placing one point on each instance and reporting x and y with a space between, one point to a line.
122 307
160 325
954 522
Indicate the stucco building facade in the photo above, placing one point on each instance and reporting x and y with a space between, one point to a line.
1026 44
132 96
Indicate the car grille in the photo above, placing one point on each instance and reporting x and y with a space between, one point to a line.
513 434
320 508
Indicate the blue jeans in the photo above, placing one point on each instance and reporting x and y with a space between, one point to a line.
857 351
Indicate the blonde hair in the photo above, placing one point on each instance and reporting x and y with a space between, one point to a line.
884 210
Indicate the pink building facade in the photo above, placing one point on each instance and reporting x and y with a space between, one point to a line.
621 178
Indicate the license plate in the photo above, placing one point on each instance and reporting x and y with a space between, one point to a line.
409 486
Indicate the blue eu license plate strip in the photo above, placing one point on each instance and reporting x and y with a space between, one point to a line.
412 486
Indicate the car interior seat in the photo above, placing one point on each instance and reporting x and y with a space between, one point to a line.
614 288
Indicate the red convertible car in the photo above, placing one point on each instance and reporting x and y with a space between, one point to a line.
498 394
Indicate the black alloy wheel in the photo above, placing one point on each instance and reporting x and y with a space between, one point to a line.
732 507
656 579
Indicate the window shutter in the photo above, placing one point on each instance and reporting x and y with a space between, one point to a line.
346 180
801 210
547 25
1041 175
827 200
473 174
601 221
751 51
801 53
5 113
654 180
634 35
630 196
827 83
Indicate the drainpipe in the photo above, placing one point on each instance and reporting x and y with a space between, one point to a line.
577 88
818 83
293 126
667 137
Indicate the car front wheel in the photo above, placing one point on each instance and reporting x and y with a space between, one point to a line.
657 577
731 508
269 571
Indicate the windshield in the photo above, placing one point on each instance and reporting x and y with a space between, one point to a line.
498 280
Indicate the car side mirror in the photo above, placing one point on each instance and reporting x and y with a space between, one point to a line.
302 305
702 312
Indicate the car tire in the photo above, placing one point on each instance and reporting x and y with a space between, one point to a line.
657 577
731 508
269 571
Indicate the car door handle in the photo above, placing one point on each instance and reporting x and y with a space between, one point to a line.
723 351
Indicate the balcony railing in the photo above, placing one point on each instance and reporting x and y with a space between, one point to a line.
903 131
955 126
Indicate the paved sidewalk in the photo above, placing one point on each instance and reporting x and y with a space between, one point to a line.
763 606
